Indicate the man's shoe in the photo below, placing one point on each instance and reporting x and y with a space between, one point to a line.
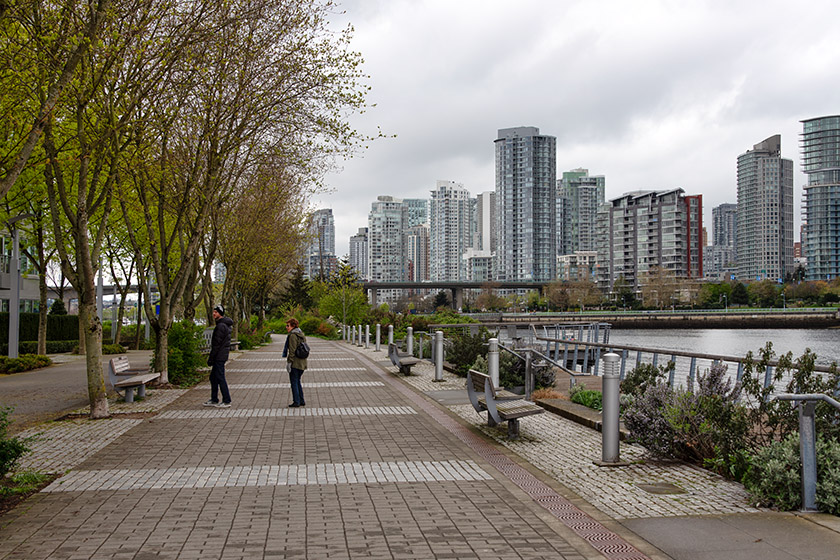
211 403
294 405
223 405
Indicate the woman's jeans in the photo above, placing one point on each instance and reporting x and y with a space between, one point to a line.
297 390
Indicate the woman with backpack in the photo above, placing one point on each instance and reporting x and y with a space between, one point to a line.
296 354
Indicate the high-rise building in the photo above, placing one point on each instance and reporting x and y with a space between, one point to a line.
358 252
526 214
643 230
416 245
386 253
485 217
418 211
764 242
820 144
578 198
724 225
320 258
449 237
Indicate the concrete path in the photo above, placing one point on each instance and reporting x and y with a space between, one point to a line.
375 466
48 393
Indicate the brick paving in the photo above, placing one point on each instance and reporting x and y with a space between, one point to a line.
364 471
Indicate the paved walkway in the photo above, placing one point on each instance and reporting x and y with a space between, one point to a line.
372 467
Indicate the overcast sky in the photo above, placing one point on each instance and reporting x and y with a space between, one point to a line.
650 94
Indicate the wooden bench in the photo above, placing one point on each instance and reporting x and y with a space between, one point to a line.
402 360
207 338
501 405
128 384
120 366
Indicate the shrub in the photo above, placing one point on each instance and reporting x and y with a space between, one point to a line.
11 448
643 376
24 362
184 358
512 372
466 348
327 330
310 325
112 349
646 422
587 397
775 476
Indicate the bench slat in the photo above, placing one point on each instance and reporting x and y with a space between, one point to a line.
137 380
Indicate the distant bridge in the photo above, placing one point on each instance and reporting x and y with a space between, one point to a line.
457 288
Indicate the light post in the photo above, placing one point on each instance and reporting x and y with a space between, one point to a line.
14 298
784 301
725 303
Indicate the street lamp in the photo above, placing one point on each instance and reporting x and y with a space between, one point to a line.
784 301
725 302
14 299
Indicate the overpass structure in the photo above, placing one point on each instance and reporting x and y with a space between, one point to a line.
457 288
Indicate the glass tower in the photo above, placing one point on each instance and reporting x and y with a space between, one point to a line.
820 144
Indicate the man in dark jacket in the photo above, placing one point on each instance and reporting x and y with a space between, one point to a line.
219 351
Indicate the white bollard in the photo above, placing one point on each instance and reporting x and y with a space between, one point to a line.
409 336
378 330
439 356
390 334
493 360
367 337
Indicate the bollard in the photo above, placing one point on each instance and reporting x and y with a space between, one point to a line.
359 340
367 337
409 341
610 415
390 334
439 356
493 360
353 335
378 331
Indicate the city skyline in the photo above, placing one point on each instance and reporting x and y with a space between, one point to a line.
653 96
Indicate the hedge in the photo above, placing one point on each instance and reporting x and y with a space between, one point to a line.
59 327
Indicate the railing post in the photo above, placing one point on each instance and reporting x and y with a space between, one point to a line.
610 415
420 348
529 374
808 452
367 337
390 334
439 356
409 340
493 360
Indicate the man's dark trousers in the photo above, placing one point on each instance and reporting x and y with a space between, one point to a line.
217 381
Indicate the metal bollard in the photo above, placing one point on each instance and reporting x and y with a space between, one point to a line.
367 337
390 334
409 341
352 334
439 356
378 331
359 340
493 360
610 415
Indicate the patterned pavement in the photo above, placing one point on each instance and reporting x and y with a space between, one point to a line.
368 469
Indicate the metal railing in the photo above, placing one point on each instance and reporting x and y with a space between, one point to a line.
808 442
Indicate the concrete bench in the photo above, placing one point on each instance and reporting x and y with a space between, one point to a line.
121 366
128 384
501 406
402 360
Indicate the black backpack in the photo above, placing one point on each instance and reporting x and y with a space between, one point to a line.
302 350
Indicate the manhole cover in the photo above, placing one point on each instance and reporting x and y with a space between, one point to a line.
661 488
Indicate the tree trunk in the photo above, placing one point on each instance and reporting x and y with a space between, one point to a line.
92 334
137 334
161 352
42 314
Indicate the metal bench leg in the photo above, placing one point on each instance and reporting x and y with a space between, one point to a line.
490 421
141 390
129 394
513 428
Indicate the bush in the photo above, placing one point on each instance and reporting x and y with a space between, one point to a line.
310 325
184 357
11 448
587 397
327 330
512 372
113 349
466 348
775 476
643 376
24 362
31 347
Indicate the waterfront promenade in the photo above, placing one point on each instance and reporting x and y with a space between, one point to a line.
375 466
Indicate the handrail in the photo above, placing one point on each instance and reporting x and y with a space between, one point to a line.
808 397
544 357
